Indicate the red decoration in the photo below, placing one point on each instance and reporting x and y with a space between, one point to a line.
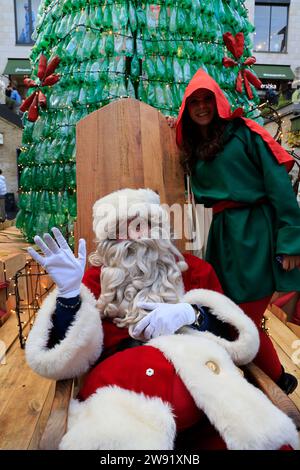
235 45
37 98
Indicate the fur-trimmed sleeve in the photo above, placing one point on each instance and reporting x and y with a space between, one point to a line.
80 348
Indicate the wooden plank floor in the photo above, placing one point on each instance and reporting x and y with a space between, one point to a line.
25 398
283 339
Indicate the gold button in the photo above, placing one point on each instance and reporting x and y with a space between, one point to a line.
213 367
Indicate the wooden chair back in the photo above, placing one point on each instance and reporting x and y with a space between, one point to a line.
126 144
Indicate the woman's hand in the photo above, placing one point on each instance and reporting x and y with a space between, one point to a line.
290 262
164 319
171 121
60 263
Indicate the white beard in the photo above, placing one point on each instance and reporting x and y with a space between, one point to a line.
147 270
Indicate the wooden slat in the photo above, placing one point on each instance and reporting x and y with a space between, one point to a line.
151 151
173 174
289 307
278 312
283 339
13 263
43 419
9 333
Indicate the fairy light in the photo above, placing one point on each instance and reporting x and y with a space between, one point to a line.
76 108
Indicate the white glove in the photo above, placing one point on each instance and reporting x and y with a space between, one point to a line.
164 319
60 263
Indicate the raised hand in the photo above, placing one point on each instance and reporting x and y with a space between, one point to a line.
59 261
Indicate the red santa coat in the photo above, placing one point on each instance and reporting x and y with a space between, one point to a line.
128 369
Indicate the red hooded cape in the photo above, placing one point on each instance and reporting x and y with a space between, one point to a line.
202 80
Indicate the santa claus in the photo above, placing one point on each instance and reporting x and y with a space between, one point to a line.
149 325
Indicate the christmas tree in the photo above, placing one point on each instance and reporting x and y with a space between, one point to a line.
148 50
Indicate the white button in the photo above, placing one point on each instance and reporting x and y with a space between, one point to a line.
149 372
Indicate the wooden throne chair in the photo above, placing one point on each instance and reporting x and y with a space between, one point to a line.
128 144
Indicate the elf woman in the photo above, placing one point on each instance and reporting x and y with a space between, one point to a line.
240 171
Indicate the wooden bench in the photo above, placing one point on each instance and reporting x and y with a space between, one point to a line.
116 143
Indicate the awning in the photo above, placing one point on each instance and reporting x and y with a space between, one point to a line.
274 72
17 67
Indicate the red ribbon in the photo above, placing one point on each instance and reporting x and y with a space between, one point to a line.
235 45
37 98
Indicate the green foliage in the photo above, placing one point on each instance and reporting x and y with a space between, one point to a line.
109 49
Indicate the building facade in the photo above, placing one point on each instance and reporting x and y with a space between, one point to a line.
17 21
276 42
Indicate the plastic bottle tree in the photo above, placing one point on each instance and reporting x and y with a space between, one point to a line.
108 49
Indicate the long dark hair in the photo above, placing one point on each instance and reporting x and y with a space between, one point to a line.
195 147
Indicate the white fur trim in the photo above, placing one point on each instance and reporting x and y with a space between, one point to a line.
80 348
117 419
246 346
242 414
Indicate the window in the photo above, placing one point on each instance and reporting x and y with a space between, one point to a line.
271 24
25 20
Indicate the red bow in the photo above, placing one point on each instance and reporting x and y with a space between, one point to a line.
235 45
47 78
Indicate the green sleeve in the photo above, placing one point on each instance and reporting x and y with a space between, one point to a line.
280 193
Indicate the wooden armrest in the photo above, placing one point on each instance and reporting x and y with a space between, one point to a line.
58 418
273 392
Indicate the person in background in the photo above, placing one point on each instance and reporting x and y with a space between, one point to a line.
271 96
239 171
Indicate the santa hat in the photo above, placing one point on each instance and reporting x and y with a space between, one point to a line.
119 206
